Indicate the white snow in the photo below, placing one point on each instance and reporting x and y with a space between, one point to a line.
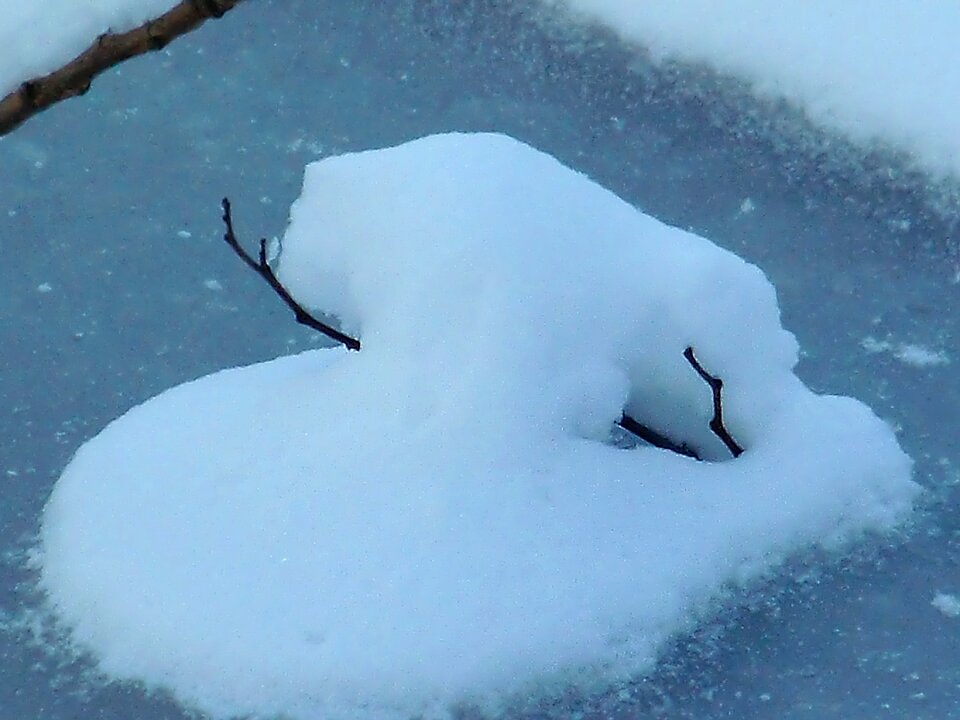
919 356
883 71
947 604
440 517
38 37
875 70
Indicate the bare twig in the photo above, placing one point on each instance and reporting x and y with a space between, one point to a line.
262 267
648 434
716 385
108 50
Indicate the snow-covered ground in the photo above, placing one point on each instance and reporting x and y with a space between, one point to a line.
878 71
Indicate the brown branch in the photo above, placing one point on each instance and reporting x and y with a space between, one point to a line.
716 423
262 267
108 50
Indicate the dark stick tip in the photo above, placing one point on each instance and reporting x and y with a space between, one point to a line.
716 387
262 267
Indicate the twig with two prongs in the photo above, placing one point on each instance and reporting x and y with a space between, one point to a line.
716 386
262 267
648 434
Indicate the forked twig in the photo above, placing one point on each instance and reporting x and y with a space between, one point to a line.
716 386
648 434
262 267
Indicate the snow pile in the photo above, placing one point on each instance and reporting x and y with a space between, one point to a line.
886 70
442 516
38 37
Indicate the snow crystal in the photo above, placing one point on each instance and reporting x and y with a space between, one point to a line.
441 517
873 345
921 356
907 353
947 604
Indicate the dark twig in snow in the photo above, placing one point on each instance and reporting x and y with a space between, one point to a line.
651 436
108 50
648 434
262 267
716 385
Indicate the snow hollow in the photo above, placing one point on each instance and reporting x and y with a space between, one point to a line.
442 516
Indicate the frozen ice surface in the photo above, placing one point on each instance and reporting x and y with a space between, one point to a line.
876 70
38 37
439 517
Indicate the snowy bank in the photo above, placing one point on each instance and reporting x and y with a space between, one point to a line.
884 71
442 516
38 37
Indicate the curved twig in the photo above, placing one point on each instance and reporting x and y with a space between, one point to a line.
108 50
262 267
716 386
651 436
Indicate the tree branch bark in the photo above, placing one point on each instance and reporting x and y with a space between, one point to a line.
108 50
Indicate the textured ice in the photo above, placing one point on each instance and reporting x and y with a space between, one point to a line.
876 70
440 517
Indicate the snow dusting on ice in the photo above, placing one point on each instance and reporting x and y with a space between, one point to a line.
441 517
947 604
886 70
908 353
